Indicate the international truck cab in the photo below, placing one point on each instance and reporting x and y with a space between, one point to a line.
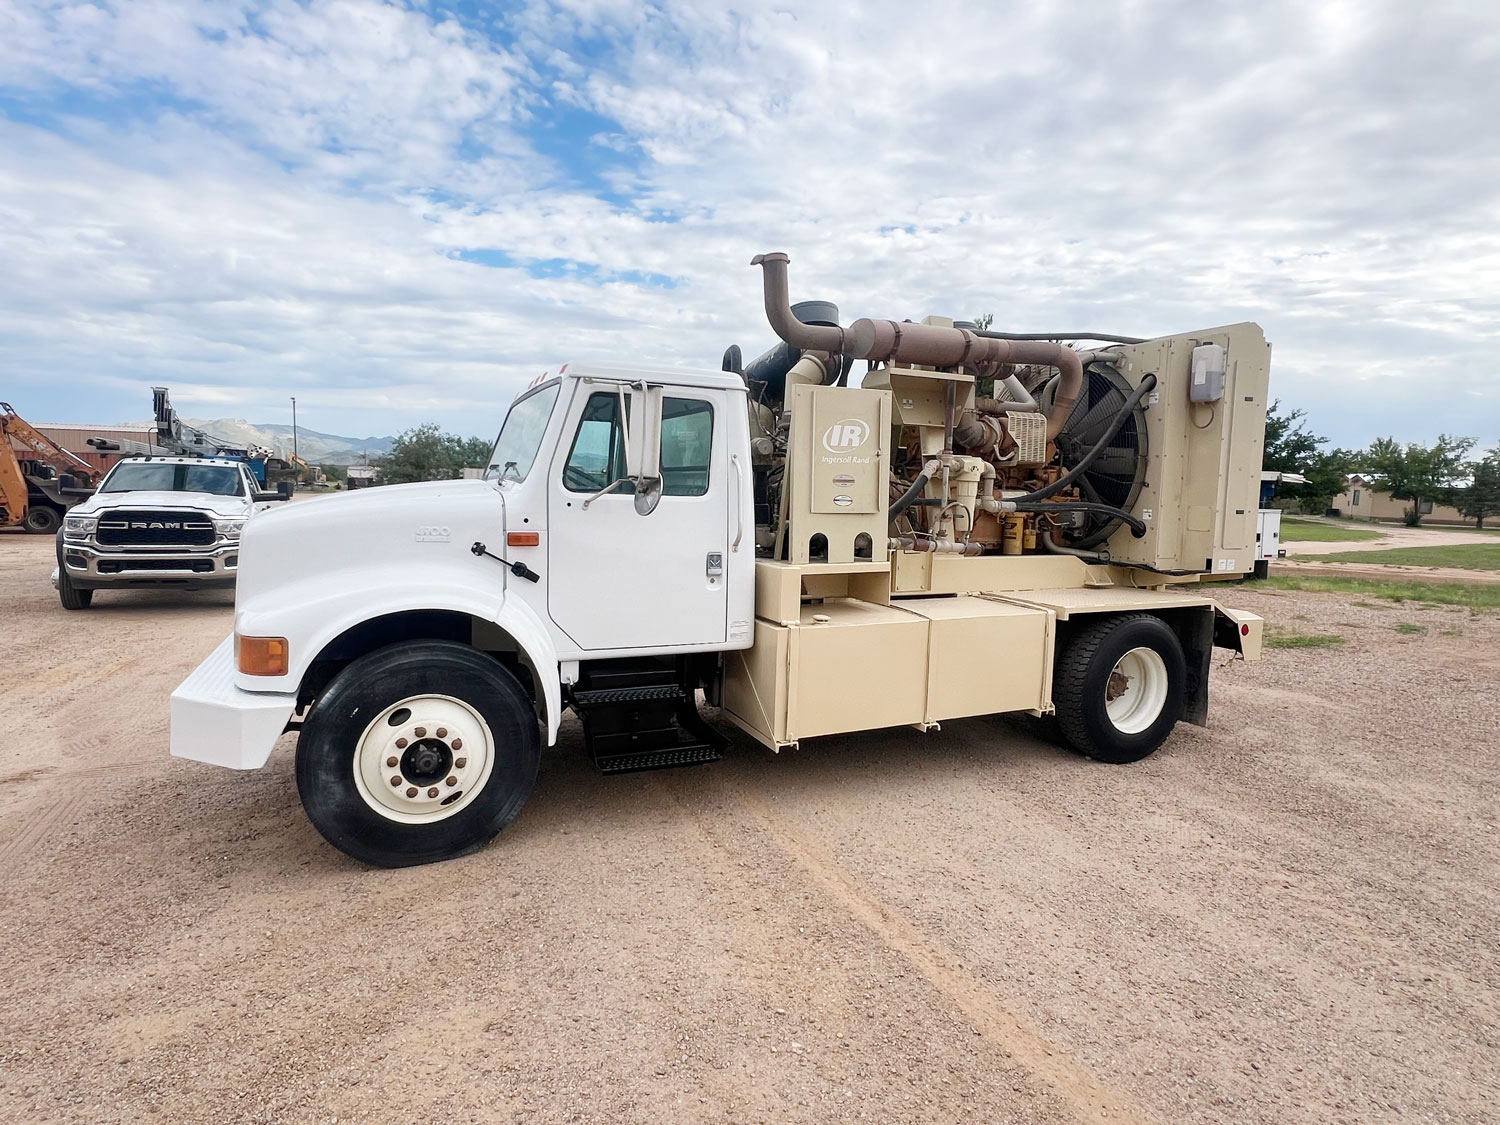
983 526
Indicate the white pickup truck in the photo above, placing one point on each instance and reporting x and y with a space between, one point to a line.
157 521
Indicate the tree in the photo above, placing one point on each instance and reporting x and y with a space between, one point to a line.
1481 498
1420 473
427 452
1292 448
1290 445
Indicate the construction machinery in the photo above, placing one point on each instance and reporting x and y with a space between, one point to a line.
176 438
987 523
37 476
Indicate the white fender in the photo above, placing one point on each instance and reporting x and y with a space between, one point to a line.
314 617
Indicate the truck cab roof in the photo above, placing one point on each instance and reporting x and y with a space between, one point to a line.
616 372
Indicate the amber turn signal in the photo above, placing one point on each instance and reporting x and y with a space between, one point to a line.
261 656
522 539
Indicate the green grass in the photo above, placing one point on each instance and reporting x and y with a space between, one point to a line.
1450 632
1314 531
1409 629
1466 556
1289 638
1475 596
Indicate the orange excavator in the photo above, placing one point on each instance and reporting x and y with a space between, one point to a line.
37 476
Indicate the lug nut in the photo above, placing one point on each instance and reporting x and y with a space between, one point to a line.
442 732
420 732
393 761
396 781
452 780
433 792
400 744
412 792
460 763
458 744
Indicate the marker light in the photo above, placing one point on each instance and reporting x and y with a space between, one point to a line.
261 656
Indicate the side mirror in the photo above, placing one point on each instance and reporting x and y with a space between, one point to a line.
286 488
266 497
643 451
68 485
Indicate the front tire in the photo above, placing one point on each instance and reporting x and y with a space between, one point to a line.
417 753
1118 686
70 595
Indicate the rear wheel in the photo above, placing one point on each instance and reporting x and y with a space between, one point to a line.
70 595
42 519
417 753
1118 686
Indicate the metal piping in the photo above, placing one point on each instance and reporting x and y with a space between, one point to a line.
809 337
926 344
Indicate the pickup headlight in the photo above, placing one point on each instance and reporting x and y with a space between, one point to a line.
79 527
229 526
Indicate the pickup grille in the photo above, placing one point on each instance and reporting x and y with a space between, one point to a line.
145 528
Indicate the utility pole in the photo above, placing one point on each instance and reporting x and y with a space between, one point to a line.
294 426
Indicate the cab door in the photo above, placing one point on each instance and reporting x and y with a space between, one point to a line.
619 580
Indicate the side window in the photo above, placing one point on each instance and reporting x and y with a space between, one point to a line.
687 438
597 458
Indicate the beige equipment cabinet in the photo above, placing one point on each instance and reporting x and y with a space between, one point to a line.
834 652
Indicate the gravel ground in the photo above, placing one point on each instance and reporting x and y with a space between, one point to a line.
1289 916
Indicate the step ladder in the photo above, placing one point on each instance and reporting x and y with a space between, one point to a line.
629 726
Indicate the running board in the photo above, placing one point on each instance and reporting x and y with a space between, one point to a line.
645 727
688 754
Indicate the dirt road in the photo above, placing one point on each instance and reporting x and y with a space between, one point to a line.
1290 916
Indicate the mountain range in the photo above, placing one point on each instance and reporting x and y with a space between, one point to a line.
312 446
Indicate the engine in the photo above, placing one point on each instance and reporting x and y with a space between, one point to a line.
1114 449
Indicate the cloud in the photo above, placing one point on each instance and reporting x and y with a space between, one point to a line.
403 212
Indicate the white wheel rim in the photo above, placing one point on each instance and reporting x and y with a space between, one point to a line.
443 754
1136 690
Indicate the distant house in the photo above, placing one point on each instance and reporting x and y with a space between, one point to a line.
1361 502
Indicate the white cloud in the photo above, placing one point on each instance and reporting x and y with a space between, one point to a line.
277 206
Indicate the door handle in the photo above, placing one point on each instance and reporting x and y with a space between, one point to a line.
739 502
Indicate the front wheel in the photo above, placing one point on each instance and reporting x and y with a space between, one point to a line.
1118 686
417 753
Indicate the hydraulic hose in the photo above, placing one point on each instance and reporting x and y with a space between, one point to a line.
1102 557
909 497
1073 474
1137 527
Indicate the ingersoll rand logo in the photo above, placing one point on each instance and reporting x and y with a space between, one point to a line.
845 436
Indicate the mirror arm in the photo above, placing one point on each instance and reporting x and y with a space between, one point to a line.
605 491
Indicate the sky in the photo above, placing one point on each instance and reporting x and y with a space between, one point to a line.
402 213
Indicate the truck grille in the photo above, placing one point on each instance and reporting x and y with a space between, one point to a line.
155 529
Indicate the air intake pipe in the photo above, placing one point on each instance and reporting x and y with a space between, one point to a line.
930 345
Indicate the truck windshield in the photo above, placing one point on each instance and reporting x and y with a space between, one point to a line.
158 476
521 435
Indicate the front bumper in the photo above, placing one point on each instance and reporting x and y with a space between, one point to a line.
216 722
91 567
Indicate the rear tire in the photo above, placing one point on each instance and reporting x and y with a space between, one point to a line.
463 736
1118 686
42 519
70 595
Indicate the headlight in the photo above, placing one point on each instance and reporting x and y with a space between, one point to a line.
229 526
79 527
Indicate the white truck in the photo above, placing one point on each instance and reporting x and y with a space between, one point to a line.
155 521
988 524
